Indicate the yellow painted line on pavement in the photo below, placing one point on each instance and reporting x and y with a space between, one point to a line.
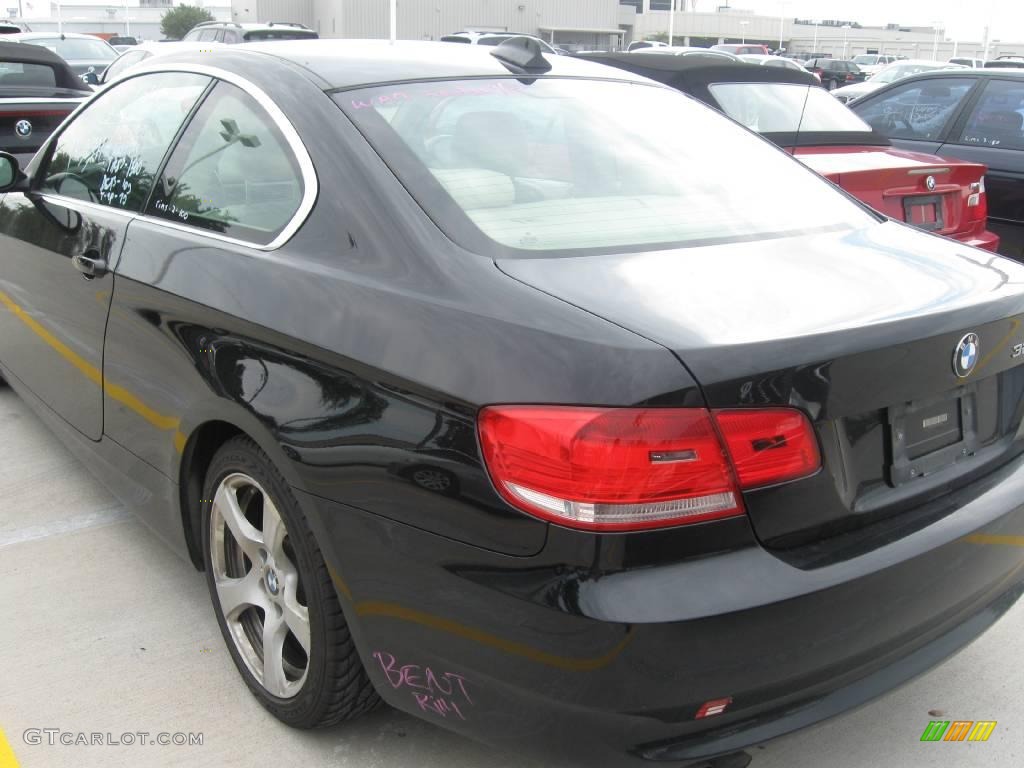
986 538
7 758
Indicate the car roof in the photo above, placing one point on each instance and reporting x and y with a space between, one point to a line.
248 26
173 46
52 35
342 64
686 49
920 62
941 74
760 57
936 74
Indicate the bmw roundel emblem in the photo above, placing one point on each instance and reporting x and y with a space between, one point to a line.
966 355
23 128
930 183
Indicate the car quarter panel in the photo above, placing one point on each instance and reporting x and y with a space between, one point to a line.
345 351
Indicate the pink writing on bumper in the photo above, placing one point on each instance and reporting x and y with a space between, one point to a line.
441 693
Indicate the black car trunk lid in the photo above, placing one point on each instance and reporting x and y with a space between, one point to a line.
858 329
25 123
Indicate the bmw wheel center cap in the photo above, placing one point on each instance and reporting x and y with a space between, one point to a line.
23 128
966 355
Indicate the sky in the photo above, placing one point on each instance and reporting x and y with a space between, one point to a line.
963 19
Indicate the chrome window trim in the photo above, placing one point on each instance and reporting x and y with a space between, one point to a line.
75 204
310 183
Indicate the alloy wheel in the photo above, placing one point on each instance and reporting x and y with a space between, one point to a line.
258 585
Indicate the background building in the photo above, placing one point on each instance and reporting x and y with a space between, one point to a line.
573 24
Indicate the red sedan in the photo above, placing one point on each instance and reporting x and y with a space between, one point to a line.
789 108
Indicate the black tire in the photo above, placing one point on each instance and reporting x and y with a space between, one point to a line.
335 686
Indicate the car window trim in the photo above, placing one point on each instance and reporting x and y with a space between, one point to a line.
957 126
310 183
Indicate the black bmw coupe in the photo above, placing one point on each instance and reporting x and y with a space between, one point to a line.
479 382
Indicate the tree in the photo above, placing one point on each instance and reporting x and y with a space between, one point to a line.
176 23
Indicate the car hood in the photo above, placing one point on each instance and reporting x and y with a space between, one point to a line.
732 310
857 90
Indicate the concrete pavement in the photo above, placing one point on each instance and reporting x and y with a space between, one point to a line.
102 629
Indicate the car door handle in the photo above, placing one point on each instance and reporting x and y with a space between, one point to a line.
91 264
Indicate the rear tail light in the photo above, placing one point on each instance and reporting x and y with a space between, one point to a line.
977 202
623 469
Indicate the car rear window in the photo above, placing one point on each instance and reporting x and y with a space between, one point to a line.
509 167
280 34
785 108
13 73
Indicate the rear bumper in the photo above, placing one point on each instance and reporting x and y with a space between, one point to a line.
986 240
580 641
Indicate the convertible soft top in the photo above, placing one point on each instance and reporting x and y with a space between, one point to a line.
694 73
22 53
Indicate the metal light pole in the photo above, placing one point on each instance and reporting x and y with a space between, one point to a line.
846 38
394 20
782 22
815 46
935 40
743 32
127 24
671 21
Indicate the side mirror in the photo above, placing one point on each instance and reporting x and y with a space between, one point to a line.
91 78
10 172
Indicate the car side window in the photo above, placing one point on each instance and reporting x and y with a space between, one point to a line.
207 35
918 110
997 120
232 172
111 152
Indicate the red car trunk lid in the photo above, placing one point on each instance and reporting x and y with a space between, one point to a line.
929 192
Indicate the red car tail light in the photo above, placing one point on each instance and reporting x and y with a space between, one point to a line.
977 202
768 446
620 469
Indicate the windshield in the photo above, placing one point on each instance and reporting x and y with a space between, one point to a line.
572 165
72 48
898 71
865 58
785 108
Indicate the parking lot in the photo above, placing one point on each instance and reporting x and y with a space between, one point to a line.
104 630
